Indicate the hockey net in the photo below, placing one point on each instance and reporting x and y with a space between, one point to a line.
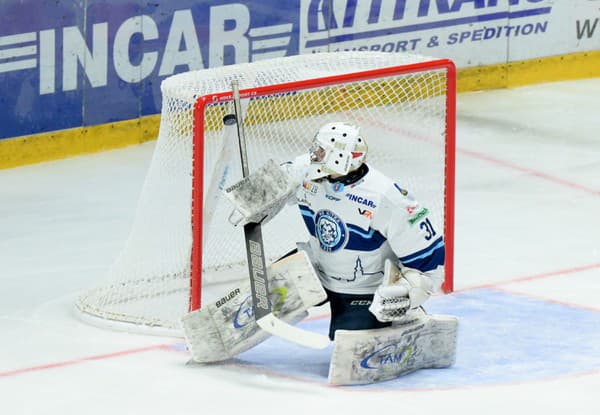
181 240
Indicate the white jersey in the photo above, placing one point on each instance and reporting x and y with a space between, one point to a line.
356 226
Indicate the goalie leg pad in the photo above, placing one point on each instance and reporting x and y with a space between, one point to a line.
227 327
369 356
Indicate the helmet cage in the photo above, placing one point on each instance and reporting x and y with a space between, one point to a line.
337 149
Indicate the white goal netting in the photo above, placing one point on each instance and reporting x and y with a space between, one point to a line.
398 100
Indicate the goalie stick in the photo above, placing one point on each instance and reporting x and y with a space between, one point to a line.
219 176
256 256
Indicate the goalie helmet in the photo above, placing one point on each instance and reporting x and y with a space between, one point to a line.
337 149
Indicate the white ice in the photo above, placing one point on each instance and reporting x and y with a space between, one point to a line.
527 227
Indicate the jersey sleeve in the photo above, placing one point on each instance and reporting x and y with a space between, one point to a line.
412 232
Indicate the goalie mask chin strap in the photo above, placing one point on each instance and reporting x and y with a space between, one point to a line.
352 177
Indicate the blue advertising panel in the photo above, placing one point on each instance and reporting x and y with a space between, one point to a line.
27 54
68 64
72 64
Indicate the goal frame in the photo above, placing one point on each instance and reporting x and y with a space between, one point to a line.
224 97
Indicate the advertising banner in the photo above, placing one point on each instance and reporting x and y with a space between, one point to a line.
471 32
66 64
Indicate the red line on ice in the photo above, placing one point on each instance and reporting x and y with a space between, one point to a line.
83 359
539 174
169 346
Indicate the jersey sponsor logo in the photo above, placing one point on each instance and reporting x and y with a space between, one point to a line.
310 187
337 187
418 216
330 230
366 213
335 199
389 356
361 200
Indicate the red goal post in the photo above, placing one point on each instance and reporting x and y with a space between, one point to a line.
206 101
181 240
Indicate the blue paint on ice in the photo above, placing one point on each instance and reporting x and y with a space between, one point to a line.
502 339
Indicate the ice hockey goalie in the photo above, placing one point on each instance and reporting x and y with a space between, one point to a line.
375 254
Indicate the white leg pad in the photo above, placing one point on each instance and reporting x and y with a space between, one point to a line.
369 356
227 327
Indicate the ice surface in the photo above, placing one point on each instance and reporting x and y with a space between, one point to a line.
527 279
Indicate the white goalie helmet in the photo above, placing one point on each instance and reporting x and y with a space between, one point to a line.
337 149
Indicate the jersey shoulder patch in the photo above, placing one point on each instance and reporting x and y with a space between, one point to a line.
399 197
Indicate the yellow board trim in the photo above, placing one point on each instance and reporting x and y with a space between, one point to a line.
66 143
532 71
56 145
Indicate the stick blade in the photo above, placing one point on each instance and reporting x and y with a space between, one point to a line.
280 328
